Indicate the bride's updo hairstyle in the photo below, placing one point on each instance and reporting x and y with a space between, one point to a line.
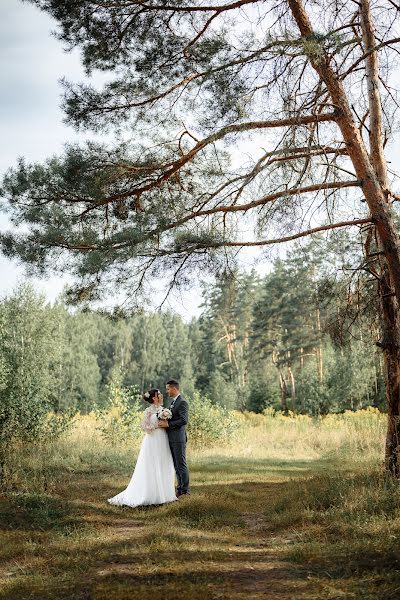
150 395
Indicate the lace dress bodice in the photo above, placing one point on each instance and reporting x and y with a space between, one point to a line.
150 419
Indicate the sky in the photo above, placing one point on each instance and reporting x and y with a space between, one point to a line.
31 62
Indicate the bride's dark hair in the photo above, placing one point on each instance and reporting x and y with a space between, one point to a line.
150 395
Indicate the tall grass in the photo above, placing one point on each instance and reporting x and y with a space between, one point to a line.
351 438
298 502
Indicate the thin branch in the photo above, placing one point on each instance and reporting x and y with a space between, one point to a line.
296 235
368 53
174 166
177 8
192 42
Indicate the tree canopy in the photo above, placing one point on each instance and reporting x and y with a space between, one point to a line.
180 189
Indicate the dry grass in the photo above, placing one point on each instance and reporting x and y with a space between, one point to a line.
295 508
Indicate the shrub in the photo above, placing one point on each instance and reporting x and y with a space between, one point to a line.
29 348
121 418
209 423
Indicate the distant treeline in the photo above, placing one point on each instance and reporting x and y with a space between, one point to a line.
297 339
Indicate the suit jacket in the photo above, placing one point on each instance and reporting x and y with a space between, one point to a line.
177 423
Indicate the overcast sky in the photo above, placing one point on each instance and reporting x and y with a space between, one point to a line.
31 62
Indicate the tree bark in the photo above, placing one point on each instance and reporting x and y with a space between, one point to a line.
319 355
390 326
375 195
292 387
390 322
282 384
371 170
283 388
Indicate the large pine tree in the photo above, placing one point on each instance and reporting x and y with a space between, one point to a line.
301 90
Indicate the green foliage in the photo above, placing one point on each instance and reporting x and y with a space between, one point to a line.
120 419
159 348
77 368
224 332
30 349
210 423
263 387
29 346
313 394
258 343
224 391
57 424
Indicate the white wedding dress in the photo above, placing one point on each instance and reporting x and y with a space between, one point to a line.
153 480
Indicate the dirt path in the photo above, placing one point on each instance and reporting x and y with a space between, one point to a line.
245 566
216 544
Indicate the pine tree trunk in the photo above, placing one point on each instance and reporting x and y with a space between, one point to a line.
283 389
4 451
390 321
282 384
301 358
392 361
292 388
371 171
319 361
320 368
390 344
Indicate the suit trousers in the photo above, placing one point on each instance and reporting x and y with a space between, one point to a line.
178 451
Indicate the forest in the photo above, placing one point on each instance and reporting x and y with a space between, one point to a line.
295 340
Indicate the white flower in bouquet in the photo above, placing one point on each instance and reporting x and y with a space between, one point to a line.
164 413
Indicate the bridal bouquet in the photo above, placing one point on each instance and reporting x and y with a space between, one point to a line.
164 413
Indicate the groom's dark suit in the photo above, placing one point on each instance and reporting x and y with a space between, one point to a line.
177 441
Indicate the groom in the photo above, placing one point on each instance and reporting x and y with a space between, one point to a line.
176 429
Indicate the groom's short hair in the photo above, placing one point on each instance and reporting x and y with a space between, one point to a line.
173 382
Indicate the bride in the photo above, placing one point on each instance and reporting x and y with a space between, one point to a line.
153 480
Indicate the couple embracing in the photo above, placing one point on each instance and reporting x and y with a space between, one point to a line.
162 453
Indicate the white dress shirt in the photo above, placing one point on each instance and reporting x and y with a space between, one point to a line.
173 400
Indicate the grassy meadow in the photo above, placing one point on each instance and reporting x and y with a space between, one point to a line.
292 508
